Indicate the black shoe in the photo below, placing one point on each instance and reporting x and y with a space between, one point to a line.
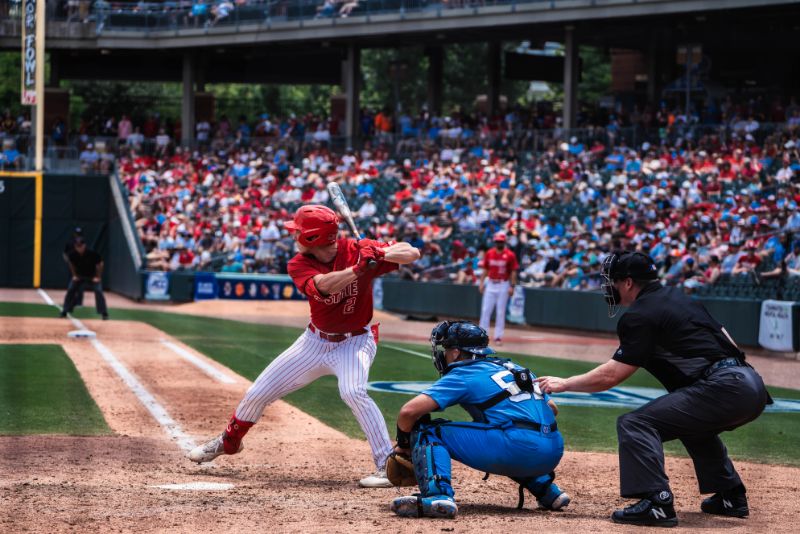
732 503
105 317
62 314
657 510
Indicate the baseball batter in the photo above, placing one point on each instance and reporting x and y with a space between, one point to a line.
497 285
336 276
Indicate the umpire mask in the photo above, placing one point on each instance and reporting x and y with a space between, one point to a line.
620 265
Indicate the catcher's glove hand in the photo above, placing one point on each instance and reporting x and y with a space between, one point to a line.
400 470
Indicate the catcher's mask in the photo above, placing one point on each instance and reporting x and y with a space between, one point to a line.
620 265
469 338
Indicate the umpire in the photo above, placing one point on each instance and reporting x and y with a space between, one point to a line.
86 267
711 389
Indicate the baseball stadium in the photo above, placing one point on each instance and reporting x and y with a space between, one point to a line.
399 265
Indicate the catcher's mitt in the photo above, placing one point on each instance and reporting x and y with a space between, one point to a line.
400 470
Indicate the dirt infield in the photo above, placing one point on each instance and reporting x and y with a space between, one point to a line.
295 474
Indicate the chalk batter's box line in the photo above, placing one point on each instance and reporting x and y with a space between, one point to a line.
37 220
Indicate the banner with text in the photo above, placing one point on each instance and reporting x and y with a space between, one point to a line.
776 328
516 306
29 22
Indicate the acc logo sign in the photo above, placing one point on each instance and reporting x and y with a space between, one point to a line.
624 397
157 286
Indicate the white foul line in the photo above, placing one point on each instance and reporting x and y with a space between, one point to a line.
47 299
408 351
204 366
156 410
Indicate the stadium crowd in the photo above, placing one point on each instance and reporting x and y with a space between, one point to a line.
704 207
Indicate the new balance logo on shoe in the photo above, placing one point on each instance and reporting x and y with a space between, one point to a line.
726 503
658 513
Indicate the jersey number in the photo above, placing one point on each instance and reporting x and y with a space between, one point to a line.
350 305
517 395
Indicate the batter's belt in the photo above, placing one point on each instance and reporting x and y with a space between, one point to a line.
336 338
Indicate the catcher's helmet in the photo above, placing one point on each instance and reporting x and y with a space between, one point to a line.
315 225
463 335
625 264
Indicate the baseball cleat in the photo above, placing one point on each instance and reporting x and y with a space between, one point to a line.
728 503
655 511
378 479
554 499
209 450
438 506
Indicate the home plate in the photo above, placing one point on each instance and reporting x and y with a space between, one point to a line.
81 334
196 486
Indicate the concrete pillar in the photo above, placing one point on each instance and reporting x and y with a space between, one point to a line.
571 66
187 102
495 77
435 78
351 81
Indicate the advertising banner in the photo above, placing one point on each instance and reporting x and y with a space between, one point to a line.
29 59
775 330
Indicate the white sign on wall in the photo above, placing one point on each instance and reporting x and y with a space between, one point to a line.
775 328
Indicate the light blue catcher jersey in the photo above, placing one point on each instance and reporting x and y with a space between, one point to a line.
470 383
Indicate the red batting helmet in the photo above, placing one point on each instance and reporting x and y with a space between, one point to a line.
315 224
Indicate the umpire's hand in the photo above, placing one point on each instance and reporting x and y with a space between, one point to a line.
551 384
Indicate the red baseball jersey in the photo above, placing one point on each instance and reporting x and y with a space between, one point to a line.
499 265
349 309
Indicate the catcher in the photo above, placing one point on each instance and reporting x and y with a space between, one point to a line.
514 432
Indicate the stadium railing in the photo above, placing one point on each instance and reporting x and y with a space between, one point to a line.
186 14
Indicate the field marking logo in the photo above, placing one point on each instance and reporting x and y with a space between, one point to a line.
623 397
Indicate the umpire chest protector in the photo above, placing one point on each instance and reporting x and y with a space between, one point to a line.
672 336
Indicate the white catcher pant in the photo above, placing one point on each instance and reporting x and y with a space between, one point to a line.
495 298
309 358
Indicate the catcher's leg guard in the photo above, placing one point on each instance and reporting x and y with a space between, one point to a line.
234 432
431 463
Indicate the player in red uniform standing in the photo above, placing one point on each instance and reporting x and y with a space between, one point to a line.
497 285
336 276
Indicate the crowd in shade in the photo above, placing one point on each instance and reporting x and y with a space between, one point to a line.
704 208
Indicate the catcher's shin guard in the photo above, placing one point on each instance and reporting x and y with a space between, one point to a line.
234 432
431 464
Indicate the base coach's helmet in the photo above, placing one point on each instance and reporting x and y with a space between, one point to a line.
625 264
463 335
314 225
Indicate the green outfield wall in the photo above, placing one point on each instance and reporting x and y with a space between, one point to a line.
578 310
38 214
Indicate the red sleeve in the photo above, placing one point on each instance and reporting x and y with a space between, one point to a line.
384 266
302 273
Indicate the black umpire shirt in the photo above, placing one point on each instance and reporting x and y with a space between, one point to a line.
85 264
672 336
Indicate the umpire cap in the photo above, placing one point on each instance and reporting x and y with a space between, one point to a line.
628 264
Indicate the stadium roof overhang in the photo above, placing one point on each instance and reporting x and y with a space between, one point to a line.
310 52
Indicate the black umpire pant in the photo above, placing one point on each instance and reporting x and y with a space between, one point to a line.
76 287
695 414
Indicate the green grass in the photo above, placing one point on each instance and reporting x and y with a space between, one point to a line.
41 392
247 348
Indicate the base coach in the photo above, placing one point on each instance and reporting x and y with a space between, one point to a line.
711 389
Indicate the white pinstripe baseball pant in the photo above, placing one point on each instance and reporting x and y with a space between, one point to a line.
311 357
